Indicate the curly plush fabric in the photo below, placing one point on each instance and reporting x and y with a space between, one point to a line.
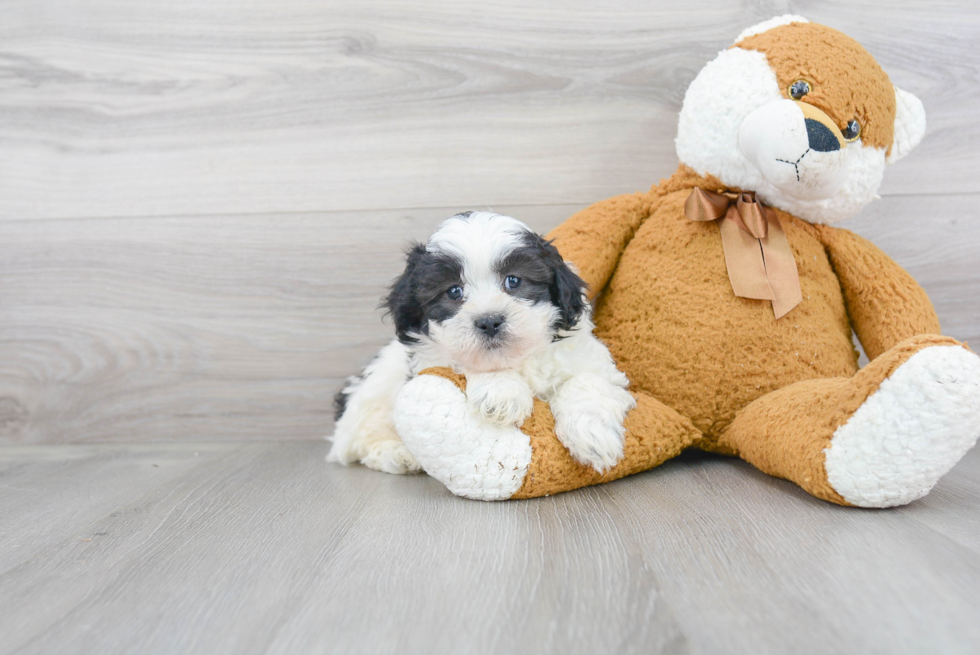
846 81
473 458
785 433
884 303
676 328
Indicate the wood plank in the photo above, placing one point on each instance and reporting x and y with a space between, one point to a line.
166 530
53 494
267 549
183 108
243 327
951 508
750 563
274 551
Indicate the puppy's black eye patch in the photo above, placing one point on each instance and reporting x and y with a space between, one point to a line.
438 286
545 278
527 274
435 275
526 266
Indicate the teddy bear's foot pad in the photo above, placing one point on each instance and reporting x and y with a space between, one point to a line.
912 430
472 457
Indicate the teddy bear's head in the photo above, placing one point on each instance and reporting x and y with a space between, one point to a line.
802 115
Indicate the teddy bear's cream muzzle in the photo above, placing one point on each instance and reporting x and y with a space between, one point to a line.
797 148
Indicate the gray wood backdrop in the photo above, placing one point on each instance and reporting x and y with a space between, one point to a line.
201 203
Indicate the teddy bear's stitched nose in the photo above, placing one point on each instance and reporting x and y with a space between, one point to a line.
820 137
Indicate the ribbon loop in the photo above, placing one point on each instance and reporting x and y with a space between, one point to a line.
757 254
753 215
705 206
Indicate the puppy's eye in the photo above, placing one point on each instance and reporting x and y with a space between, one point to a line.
798 89
852 131
455 293
512 282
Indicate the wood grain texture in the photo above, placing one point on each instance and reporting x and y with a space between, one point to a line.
113 109
230 327
761 562
162 273
90 482
264 548
243 327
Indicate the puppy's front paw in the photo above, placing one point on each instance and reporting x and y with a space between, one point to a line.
502 399
592 438
589 414
391 457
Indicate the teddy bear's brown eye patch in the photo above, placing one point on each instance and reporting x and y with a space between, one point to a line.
798 89
852 131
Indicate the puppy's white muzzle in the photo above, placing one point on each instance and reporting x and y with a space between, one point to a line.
796 147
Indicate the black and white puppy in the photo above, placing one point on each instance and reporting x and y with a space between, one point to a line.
491 299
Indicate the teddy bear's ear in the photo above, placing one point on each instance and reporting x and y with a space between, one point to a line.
767 25
910 124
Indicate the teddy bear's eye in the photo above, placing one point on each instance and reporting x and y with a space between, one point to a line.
798 89
852 131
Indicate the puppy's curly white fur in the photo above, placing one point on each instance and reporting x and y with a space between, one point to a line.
491 299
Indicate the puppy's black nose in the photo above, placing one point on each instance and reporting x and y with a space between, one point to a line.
489 324
820 137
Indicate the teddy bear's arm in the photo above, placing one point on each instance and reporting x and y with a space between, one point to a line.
885 304
594 238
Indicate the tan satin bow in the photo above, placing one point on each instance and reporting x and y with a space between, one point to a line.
760 263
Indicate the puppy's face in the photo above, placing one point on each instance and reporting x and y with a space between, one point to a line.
486 290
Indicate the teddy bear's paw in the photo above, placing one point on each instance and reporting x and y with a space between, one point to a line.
503 398
472 457
391 457
910 432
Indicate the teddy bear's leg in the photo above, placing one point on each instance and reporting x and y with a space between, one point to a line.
480 460
880 439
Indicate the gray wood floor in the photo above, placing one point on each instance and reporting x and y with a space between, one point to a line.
263 548
200 206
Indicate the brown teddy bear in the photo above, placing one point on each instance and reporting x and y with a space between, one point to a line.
729 301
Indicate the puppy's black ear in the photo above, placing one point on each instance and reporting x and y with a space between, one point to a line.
567 289
401 303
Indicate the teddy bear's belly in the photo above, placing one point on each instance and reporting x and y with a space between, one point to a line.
675 327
